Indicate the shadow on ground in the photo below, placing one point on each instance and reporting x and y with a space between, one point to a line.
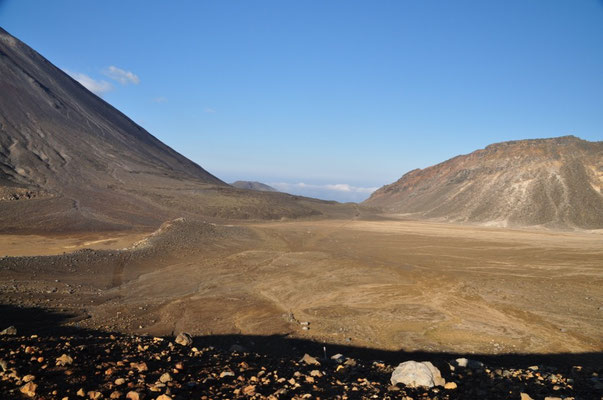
279 345
39 321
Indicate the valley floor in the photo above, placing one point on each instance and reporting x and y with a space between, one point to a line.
384 284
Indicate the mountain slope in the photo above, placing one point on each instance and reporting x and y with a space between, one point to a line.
249 185
69 160
57 132
554 182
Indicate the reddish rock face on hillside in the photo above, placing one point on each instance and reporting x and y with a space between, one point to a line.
554 182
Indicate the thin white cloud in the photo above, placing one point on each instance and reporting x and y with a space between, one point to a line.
336 187
209 110
159 99
332 191
96 87
122 76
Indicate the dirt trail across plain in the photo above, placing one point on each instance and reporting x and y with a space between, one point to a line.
381 284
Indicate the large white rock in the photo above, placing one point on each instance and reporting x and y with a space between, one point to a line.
417 374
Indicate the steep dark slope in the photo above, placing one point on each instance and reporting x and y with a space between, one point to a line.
551 182
69 160
55 132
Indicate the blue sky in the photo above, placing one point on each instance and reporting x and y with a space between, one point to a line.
330 98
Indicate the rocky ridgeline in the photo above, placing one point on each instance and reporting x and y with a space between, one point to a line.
556 183
133 367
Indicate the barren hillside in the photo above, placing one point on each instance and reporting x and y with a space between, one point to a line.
71 161
554 182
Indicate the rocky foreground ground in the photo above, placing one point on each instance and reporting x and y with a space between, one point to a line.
104 366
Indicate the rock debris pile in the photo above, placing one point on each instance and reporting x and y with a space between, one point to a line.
103 366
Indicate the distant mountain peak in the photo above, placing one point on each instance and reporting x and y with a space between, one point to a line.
253 185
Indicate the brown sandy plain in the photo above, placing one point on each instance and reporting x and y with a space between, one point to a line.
383 283
41 245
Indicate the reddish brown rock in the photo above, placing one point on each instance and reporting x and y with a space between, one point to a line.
29 389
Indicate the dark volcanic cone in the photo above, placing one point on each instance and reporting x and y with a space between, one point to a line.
58 140
69 160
